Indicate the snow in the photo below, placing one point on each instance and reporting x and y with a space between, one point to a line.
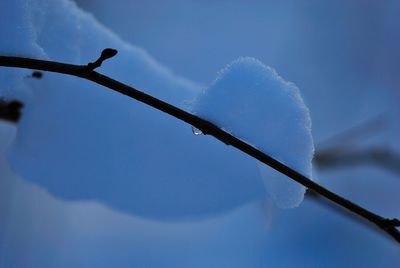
252 102
82 142
40 230
346 69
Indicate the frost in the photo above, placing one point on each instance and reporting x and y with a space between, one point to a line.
254 103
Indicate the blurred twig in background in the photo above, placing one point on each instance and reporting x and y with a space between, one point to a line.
10 110
357 132
347 157
344 149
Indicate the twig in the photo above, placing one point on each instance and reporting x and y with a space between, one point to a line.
105 55
87 72
313 196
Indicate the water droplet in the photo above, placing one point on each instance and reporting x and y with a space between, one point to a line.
196 131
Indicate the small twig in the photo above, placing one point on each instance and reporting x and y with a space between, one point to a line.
105 54
205 126
389 223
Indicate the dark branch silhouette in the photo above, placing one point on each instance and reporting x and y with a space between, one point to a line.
37 75
10 110
87 72
315 197
105 54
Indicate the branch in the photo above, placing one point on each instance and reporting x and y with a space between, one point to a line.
87 72
311 195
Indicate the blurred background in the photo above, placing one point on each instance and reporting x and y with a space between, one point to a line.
343 55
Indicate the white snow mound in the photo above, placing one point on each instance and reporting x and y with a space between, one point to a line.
80 141
251 101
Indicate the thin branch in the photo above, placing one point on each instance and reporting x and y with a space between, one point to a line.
86 72
349 157
313 196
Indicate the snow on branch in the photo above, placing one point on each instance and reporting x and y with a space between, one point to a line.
87 72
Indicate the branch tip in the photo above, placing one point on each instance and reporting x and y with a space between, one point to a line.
395 222
108 53
390 224
105 55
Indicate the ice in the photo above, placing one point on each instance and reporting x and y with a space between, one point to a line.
196 131
254 103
